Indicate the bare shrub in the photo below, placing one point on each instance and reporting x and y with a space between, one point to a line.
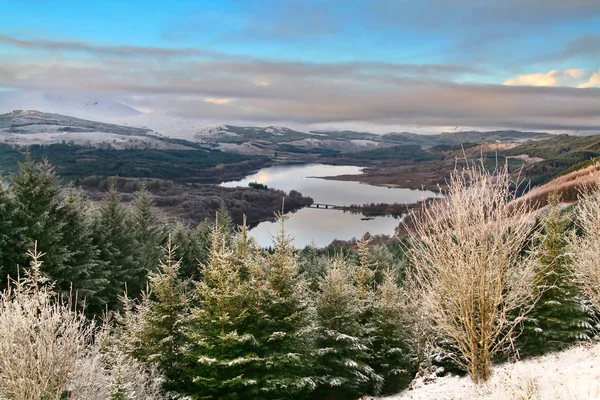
475 280
48 350
41 341
585 249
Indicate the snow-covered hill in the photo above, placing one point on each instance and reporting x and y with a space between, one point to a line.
573 374
34 127
80 105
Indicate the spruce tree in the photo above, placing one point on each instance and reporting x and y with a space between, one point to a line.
39 218
193 248
83 272
391 355
220 350
162 315
9 233
560 317
313 266
285 369
225 223
342 348
115 242
148 234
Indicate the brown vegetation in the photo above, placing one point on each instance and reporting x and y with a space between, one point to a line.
569 187
467 257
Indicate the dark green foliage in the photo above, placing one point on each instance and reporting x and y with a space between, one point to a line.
560 317
219 349
112 235
342 347
162 317
40 218
282 329
256 185
9 232
313 266
78 161
87 275
193 248
391 355
148 232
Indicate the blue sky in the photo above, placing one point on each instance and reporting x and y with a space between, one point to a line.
318 62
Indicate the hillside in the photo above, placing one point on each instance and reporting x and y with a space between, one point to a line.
573 374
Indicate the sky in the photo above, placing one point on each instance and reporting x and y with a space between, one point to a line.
375 65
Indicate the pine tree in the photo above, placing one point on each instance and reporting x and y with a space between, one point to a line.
225 224
117 247
82 271
220 350
285 369
313 266
9 233
162 315
148 234
39 218
193 248
560 317
391 355
342 348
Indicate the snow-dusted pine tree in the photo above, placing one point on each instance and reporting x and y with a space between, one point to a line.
161 318
342 348
391 352
560 317
281 323
220 351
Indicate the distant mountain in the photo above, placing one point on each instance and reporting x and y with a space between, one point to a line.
52 127
33 121
82 105
19 128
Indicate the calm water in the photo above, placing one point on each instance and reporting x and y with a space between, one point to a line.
321 226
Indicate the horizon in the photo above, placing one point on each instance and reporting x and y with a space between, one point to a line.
375 66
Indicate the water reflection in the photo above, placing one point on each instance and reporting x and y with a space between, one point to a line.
322 226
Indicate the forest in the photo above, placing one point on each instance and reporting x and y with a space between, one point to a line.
113 300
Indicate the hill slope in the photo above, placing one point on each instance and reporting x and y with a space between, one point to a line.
573 374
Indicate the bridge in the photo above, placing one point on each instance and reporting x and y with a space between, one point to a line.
323 206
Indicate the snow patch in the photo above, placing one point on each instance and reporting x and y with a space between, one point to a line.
570 374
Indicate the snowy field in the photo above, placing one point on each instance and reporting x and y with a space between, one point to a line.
573 374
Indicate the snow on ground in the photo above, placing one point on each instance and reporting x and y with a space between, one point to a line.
366 143
573 374
276 130
89 139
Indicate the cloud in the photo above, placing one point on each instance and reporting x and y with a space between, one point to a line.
539 79
101 50
215 100
569 77
585 47
574 73
315 96
593 81
381 94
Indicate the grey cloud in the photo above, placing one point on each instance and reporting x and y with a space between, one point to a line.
586 46
298 93
100 50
